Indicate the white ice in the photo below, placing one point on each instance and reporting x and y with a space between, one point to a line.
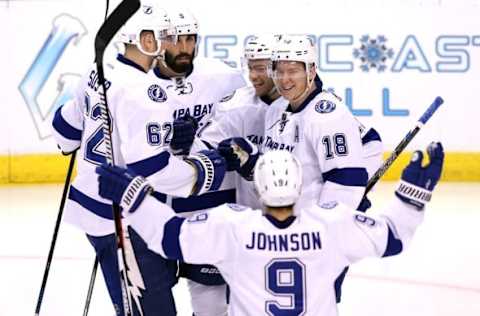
437 276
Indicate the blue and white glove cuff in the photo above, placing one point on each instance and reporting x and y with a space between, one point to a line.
205 173
413 194
135 193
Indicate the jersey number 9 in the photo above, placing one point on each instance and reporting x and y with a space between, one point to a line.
285 278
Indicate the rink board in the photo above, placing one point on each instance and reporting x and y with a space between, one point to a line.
48 168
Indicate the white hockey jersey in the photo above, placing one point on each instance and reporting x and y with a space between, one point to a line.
77 124
146 114
242 116
323 134
273 267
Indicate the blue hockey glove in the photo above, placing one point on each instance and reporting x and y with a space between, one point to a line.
240 155
211 167
418 182
184 129
122 186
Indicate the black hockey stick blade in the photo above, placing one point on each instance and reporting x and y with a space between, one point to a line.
110 27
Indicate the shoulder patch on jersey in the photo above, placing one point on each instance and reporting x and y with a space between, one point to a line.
325 106
228 97
329 205
237 207
156 93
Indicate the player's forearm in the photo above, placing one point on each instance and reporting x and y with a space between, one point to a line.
403 219
66 130
177 179
150 221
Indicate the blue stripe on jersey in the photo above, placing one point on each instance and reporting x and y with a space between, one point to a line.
65 129
151 165
171 238
371 135
347 176
94 206
204 201
394 245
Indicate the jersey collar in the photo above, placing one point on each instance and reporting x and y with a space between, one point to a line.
126 61
317 91
266 99
280 224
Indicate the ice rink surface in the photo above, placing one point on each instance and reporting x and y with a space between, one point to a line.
438 275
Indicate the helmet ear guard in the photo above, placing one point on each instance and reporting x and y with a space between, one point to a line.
278 178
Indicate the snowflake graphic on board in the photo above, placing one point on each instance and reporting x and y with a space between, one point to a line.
373 53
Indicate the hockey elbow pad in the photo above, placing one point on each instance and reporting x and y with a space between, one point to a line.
210 167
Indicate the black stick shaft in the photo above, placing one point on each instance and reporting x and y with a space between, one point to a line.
55 233
93 275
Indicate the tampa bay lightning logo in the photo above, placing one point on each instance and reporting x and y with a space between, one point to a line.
325 106
156 93
373 53
147 9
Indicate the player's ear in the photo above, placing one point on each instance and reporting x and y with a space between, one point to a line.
148 42
313 70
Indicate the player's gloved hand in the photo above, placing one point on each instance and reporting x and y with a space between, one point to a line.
211 167
184 129
122 186
240 155
418 182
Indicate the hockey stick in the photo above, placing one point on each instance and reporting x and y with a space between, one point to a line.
93 274
403 143
55 233
90 287
104 35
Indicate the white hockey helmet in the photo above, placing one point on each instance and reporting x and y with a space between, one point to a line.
148 18
184 22
278 178
258 47
299 48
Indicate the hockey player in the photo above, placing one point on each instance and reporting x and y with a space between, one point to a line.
276 262
334 148
244 114
78 125
181 86
312 124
